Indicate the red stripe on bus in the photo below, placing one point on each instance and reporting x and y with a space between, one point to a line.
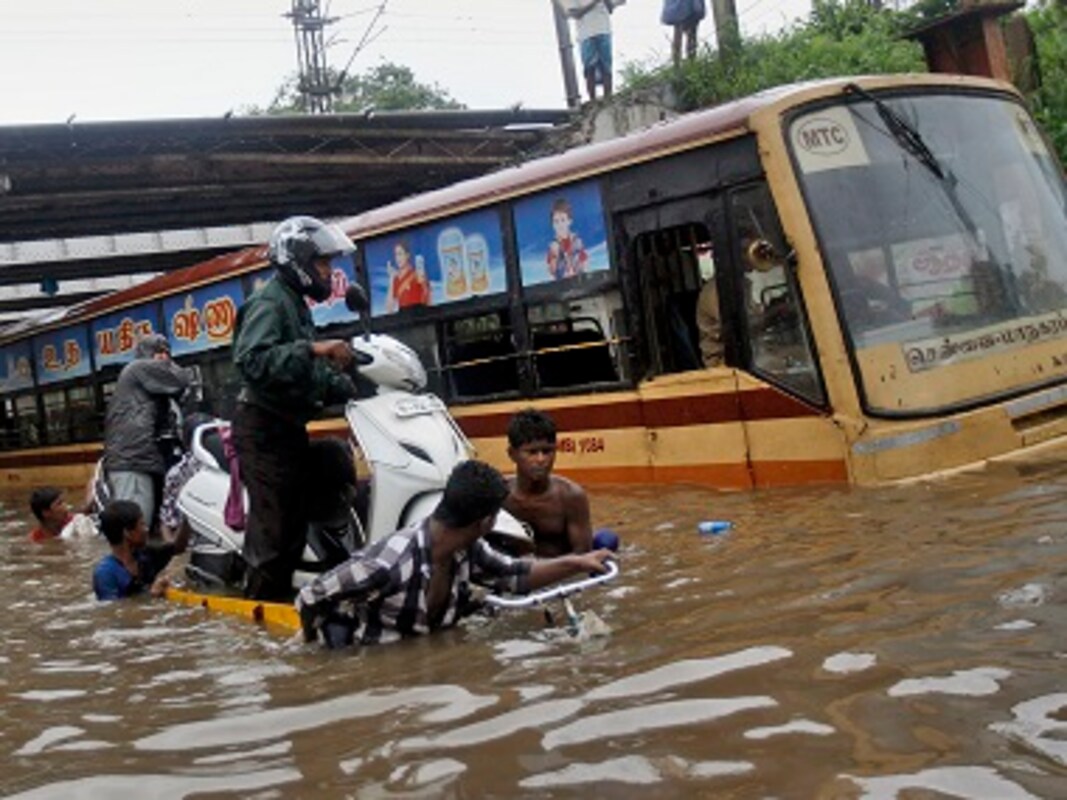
717 476
674 412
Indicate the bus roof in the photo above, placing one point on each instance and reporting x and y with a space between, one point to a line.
682 133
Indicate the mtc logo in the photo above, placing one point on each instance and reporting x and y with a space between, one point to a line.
823 137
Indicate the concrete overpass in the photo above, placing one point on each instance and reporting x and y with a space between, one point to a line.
89 208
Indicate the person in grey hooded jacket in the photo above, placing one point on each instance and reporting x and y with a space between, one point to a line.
133 459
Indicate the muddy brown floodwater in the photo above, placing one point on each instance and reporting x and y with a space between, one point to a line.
836 643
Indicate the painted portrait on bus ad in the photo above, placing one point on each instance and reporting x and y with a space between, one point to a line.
561 234
114 337
16 372
202 319
330 311
62 355
436 264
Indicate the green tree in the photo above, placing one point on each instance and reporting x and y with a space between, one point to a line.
385 87
840 37
855 37
1049 24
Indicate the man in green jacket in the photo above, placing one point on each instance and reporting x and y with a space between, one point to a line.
287 378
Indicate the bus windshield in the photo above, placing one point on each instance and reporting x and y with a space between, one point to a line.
943 224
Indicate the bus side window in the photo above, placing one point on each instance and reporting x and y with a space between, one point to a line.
480 357
779 346
81 406
29 423
576 343
9 435
56 419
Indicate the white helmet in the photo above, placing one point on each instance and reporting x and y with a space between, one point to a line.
297 243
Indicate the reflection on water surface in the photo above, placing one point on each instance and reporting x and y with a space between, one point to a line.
837 643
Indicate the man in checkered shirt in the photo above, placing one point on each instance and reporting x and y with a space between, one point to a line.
419 579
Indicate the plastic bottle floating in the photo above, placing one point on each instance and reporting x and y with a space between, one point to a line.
714 527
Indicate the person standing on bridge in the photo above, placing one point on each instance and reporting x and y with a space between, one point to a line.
286 379
684 16
592 23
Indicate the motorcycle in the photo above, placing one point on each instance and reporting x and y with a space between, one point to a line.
408 440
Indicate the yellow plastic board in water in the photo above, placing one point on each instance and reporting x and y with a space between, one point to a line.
282 615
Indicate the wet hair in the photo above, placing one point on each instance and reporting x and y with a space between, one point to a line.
530 425
151 345
561 205
41 500
474 491
118 517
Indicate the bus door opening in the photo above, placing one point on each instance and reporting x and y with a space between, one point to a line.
679 299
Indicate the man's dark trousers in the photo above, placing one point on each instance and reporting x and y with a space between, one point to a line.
273 455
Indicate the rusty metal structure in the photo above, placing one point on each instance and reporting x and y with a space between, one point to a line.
98 199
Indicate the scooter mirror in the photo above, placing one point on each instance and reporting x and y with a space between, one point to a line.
357 302
356 299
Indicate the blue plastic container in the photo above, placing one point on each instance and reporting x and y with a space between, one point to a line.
606 539
714 527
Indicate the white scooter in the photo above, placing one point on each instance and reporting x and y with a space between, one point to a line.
410 444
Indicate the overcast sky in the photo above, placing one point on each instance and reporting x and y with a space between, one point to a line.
151 59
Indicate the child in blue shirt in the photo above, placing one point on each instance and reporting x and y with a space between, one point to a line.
132 566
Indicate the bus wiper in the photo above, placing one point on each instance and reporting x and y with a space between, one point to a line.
912 141
908 138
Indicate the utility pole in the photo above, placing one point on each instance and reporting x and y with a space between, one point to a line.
316 89
566 56
727 27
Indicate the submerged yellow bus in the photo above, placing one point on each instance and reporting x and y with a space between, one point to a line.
856 280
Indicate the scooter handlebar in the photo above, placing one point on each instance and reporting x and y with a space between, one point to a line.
555 592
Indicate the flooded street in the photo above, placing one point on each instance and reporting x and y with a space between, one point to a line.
836 643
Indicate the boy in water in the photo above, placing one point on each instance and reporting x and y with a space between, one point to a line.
132 566
557 509
566 253
51 511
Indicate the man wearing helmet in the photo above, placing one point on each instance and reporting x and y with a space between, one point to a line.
287 378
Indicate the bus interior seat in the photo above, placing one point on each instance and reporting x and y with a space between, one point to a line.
578 366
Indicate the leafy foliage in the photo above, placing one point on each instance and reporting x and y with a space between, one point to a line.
841 37
852 37
1049 25
385 87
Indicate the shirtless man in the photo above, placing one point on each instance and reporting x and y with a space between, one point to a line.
556 508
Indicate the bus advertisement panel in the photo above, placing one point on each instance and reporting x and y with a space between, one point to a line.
16 372
115 336
62 355
330 311
437 264
561 234
202 319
